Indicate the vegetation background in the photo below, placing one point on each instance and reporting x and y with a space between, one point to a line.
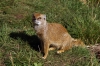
19 45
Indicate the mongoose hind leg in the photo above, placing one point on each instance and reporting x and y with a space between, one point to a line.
64 48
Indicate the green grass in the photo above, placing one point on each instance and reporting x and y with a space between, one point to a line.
19 45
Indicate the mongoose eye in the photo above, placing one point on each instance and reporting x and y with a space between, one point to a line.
39 18
44 18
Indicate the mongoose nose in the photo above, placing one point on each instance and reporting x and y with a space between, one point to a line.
37 22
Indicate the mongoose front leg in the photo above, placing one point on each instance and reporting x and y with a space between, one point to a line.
46 48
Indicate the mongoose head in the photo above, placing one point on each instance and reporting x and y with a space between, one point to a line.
39 19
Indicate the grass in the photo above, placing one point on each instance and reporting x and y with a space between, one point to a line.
19 45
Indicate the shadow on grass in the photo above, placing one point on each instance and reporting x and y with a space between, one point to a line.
33 41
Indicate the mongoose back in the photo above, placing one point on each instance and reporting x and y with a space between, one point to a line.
51 34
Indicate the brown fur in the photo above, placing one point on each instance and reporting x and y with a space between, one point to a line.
52 34
78 42
91 2
84 1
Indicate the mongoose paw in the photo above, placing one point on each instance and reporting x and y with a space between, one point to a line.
44 57
60 51
52 48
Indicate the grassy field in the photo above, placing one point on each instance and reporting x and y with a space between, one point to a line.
19 45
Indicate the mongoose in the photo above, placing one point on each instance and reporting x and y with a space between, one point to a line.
52 34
